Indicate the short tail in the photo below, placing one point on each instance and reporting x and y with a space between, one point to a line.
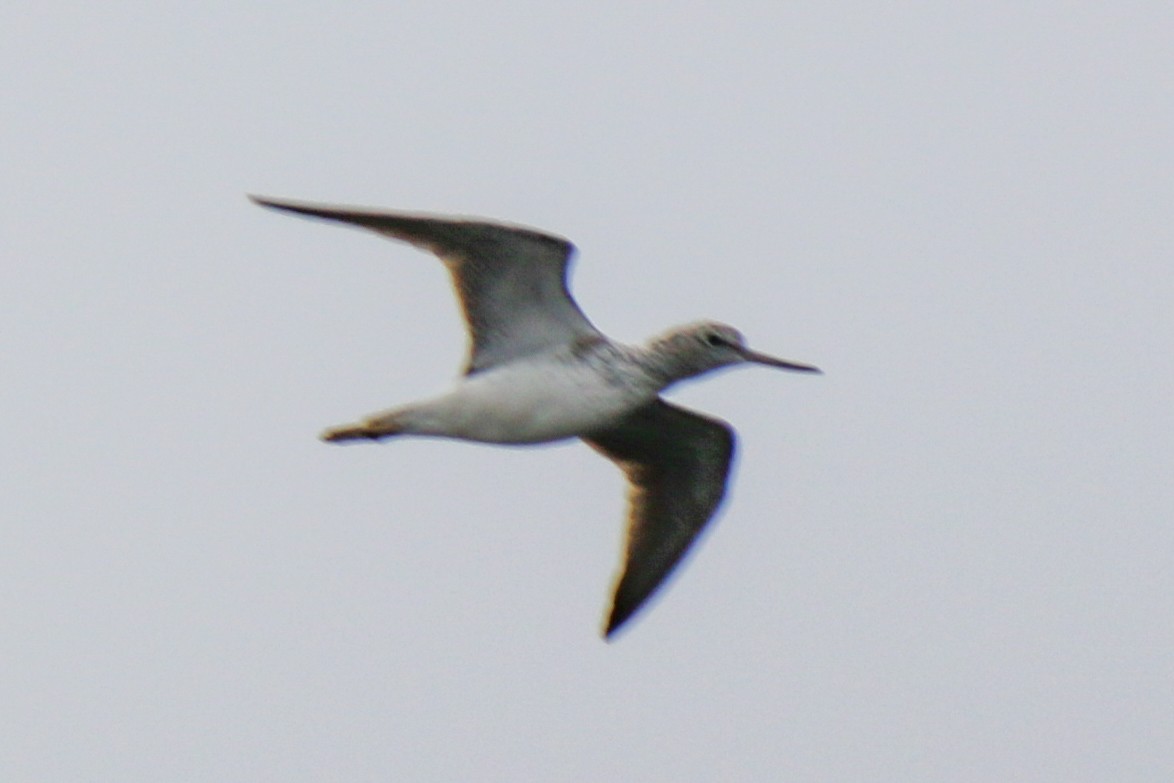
372 429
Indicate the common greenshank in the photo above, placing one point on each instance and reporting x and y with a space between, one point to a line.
538 371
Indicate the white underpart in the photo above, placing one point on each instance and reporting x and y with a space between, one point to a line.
538 400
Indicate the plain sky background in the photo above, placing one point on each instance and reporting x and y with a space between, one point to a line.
951 558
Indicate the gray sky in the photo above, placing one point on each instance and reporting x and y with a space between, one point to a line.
950 558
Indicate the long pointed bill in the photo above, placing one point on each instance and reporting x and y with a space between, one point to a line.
770 361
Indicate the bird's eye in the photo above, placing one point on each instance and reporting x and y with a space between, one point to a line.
714 340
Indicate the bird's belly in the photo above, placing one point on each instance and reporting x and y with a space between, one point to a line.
538 404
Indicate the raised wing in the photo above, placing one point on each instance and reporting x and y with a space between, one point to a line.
677 463
511 281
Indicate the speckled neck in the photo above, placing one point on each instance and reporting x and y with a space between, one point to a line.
671 358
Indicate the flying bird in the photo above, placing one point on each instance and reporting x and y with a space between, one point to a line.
538 371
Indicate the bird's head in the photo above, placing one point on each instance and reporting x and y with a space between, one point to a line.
701 347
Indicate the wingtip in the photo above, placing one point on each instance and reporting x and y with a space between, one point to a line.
616 620
360 216
272 203
306 208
